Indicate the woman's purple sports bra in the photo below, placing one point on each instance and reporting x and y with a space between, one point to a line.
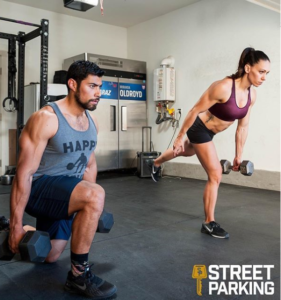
229 111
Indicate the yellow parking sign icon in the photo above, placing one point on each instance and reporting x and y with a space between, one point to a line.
199 272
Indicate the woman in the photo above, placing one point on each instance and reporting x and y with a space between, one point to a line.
224 101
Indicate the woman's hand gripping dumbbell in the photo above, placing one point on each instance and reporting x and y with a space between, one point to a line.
246 167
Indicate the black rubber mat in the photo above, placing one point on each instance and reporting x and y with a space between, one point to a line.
5 189
156 241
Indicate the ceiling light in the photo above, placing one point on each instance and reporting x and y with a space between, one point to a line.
81 5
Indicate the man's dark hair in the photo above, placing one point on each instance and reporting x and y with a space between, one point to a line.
80 69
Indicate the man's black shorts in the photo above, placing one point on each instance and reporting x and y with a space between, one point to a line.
48 203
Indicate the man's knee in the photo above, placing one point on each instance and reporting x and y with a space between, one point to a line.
58 247
52 258
87 196
54 254
94 197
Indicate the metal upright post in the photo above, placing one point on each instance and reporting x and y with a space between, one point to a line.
12 68
44 62
21 66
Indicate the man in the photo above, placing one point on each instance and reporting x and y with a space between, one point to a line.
56 178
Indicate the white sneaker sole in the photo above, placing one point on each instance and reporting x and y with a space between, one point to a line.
213 235
153 178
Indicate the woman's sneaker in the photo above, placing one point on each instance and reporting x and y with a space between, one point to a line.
89 285
214 230
155 173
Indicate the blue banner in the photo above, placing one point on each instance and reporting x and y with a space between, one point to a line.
109 90
132 91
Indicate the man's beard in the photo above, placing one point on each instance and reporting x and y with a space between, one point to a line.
86 105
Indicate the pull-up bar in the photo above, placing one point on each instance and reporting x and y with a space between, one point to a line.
20 22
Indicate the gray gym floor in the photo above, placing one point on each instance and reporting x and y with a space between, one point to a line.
156 241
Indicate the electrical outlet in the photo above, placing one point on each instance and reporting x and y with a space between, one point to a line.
179 111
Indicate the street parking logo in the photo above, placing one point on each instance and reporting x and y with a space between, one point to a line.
234 279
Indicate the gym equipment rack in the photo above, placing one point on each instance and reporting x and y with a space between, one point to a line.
22 39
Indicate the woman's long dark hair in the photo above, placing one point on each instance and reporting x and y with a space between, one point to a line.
249 56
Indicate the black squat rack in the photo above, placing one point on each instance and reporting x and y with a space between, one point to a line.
15 101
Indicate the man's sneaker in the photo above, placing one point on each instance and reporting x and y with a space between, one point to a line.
89 285
156 173
214 230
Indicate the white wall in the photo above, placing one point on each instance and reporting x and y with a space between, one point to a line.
68 36
206 40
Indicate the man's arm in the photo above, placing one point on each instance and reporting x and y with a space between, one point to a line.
91 169
40 127
241 134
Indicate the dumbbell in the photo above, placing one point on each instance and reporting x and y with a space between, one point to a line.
246 167
105 223
34 246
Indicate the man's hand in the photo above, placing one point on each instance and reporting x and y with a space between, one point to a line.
236 164
15 237
178 146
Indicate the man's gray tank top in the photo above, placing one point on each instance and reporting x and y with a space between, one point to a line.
68 151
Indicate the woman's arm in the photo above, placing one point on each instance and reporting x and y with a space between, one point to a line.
241 134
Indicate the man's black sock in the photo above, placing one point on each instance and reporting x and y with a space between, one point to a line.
78 263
